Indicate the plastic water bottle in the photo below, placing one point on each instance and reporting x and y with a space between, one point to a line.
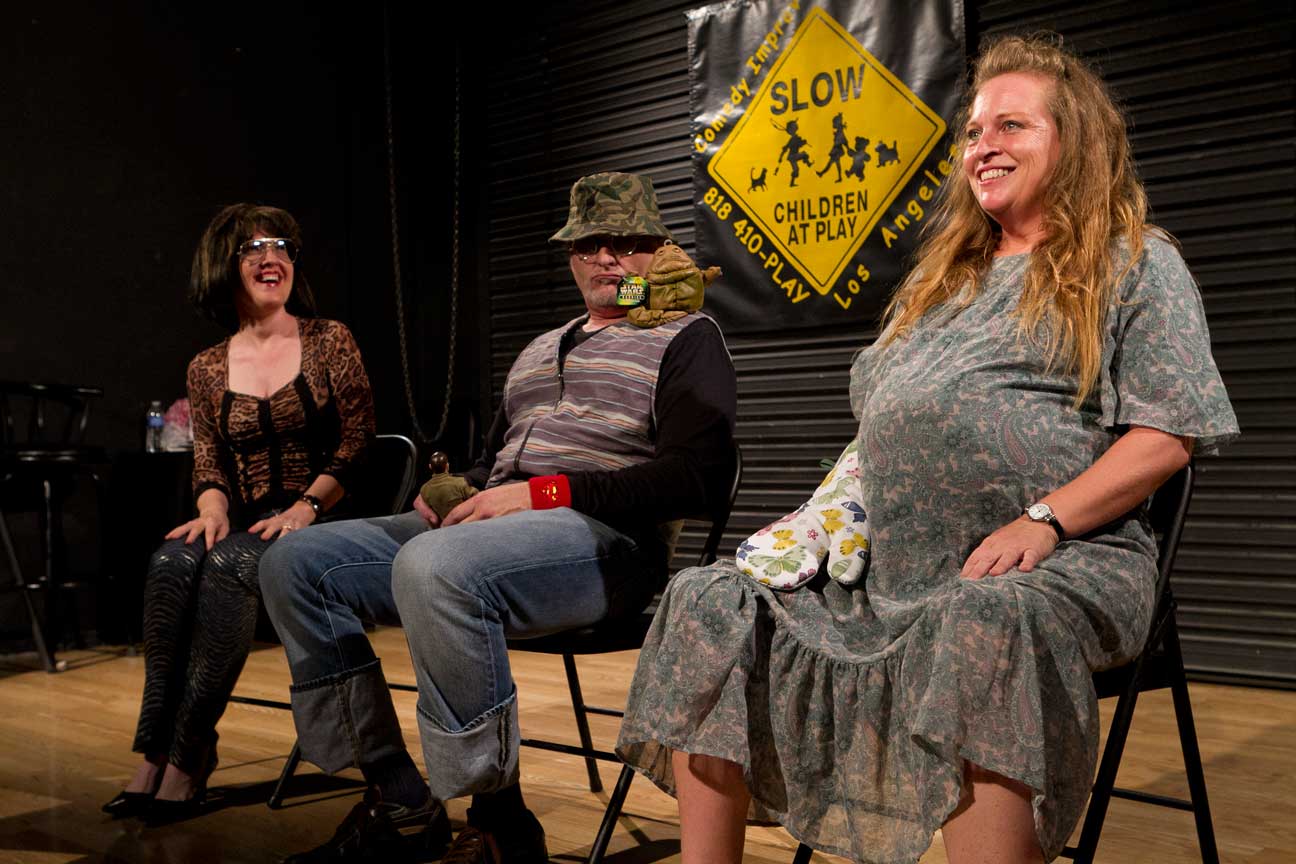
153 423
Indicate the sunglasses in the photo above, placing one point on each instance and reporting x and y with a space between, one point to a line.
622 247
256 250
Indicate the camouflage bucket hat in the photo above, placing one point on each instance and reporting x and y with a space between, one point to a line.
612 203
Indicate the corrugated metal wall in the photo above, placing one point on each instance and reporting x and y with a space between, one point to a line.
594 86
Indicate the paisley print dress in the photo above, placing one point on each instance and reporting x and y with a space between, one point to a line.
852 708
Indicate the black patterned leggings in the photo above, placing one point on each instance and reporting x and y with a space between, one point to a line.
200 610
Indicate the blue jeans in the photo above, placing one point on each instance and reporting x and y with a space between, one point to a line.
458 592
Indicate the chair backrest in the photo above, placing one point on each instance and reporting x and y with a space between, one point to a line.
388 482
1167 513
32 413
720 516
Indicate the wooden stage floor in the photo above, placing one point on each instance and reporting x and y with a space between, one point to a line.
65 749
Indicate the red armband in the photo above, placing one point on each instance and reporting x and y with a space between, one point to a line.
549 492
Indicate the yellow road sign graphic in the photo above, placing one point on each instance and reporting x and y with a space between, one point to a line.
828 141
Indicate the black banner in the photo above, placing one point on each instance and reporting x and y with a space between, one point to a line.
819 144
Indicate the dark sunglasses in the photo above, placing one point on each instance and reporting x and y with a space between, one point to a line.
621 247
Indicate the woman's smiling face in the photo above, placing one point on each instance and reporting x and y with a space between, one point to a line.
266 272
1011 147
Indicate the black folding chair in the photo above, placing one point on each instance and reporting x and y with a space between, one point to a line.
1159 666
388 486
620 635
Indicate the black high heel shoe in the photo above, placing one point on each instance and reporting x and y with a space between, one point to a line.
161 811
127 805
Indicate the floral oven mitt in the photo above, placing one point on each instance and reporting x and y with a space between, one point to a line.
788 553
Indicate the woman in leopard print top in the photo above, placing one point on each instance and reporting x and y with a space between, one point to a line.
282 413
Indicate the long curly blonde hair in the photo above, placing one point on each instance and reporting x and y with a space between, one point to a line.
1093 197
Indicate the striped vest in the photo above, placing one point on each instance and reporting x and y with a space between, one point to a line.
597 414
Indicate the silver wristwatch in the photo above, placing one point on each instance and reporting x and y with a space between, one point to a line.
1042 512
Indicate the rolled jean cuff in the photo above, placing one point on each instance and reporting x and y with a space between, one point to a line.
482 757
346 720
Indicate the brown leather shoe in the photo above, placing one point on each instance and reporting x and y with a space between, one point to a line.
521 841
470 847
376 831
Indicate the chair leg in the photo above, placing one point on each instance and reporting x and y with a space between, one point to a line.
803 854
1100 798
65 588
277 796
1191 752
582 722
49 582
37 626
610 815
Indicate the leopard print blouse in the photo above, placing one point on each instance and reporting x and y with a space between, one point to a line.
263 453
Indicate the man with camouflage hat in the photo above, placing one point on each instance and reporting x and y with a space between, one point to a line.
608 433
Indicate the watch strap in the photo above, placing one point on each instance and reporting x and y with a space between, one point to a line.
1057 526
1049 519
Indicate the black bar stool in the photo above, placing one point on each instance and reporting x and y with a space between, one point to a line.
42 455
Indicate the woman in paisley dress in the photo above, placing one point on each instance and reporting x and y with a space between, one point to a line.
282 413
1050 348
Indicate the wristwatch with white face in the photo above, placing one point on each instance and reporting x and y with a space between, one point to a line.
1042 512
